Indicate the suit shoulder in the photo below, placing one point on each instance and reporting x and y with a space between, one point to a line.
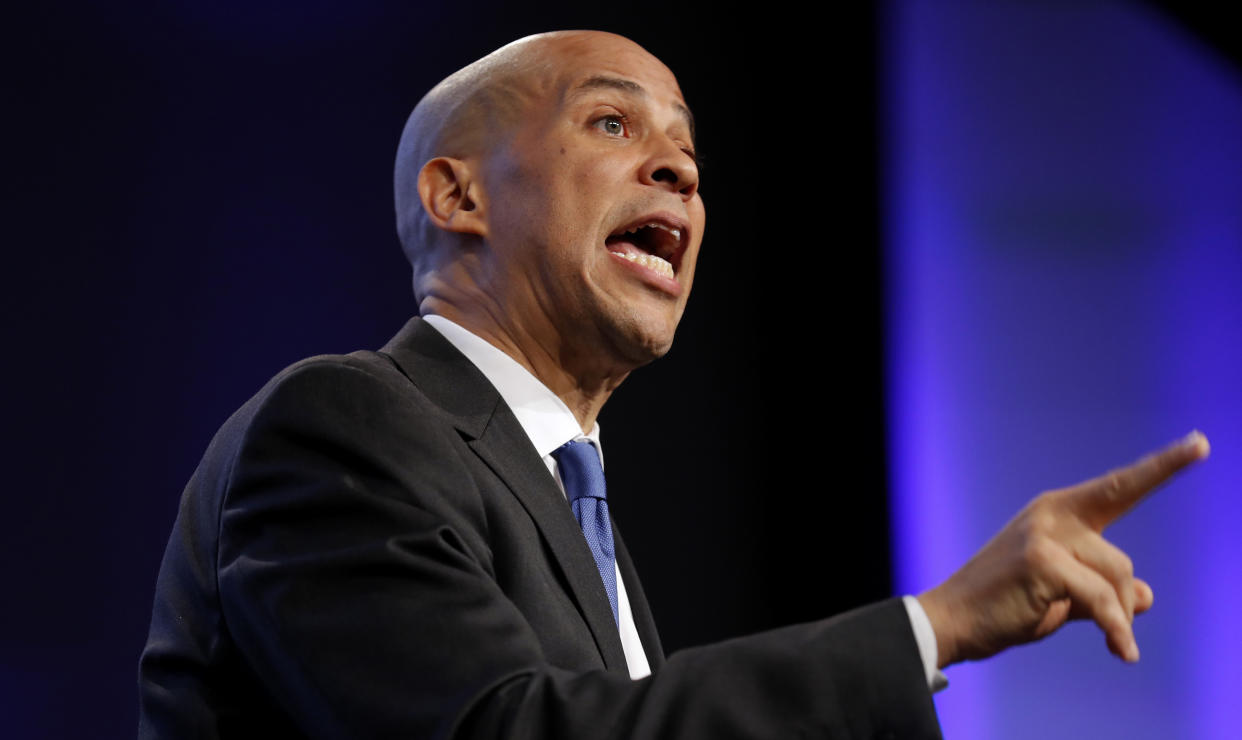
324 381
356 367
330 393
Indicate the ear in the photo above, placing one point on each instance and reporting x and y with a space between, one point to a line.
451 197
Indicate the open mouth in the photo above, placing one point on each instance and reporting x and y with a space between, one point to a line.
654 242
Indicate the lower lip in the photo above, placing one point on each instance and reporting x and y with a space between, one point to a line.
652 278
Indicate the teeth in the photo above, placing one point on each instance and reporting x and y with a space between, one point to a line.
651 262
675 232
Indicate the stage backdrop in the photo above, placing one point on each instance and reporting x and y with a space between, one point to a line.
1064 271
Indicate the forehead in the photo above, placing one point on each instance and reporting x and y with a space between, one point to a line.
584 60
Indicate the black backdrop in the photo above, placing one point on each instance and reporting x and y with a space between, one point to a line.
199 194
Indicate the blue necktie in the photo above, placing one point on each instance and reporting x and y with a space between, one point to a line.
583 477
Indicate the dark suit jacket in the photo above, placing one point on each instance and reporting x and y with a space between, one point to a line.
371 547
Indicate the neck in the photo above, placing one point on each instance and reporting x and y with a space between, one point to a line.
569 370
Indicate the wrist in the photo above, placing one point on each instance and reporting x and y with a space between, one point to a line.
939 615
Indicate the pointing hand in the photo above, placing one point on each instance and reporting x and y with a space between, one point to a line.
1050 564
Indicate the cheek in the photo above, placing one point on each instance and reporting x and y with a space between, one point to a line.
578 197
529 200
558 195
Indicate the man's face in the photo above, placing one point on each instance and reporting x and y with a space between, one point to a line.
594 215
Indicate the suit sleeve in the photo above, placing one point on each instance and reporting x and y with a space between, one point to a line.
367 608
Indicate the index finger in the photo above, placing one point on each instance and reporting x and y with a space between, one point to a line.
1100 501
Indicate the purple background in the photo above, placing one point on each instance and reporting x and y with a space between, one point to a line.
1064 272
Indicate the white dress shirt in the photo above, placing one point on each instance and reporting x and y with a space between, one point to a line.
549 423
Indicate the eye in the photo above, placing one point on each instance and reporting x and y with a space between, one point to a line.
613 124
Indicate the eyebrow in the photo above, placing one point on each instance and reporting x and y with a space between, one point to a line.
633 88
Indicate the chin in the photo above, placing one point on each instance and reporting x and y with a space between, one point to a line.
641 343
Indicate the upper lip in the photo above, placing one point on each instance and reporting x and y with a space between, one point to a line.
669 249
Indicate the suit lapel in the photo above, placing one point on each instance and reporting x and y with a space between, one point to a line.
445 375
507 450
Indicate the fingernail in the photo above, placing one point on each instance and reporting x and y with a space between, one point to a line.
1197 439
1132 653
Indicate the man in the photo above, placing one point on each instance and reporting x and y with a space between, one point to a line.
380 544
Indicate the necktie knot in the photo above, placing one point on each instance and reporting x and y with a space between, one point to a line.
580 469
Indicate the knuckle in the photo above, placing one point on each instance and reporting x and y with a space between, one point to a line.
1125 566
1048 498
1113 485
1039 553
1102 604
1041 517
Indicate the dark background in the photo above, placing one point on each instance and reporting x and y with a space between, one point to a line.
199 194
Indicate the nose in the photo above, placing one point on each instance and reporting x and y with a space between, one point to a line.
672 168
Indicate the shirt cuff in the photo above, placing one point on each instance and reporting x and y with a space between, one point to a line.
926 639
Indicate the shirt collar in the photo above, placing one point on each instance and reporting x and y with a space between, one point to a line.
544 417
